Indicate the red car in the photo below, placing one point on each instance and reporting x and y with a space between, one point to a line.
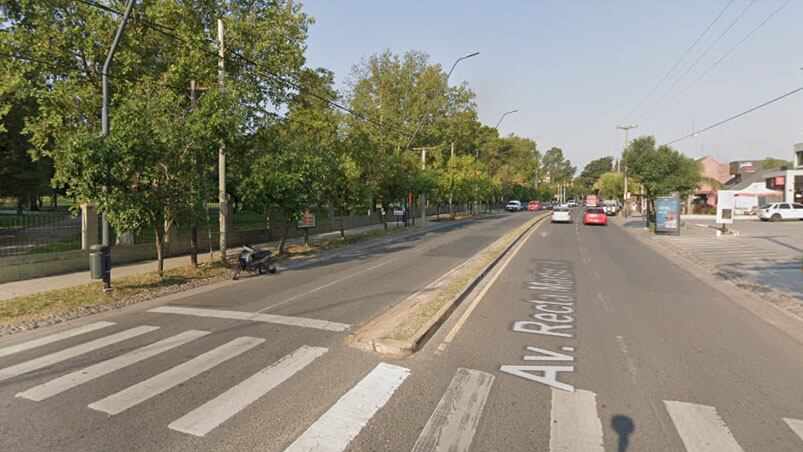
534 206
595 215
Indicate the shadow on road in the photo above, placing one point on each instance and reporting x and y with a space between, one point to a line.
624 427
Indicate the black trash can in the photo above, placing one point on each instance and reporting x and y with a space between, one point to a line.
99 261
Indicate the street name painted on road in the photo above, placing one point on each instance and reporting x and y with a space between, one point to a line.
551 290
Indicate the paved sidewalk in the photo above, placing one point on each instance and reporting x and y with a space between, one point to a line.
734 258
30 286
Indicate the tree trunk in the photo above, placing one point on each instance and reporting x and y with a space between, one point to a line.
159 235
342 228
20 205
284 236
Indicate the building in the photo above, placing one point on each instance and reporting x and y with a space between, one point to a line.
705 194
789 181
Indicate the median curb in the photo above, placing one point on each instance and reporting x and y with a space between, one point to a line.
375 335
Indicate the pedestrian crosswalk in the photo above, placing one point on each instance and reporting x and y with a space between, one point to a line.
574 417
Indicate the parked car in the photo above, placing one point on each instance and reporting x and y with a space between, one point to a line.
514 206
611 206
561 214
534 206
781 211
595 215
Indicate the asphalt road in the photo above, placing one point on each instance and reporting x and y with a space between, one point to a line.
626 352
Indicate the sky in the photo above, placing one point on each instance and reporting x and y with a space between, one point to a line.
576 69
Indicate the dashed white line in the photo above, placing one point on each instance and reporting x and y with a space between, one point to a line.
53 338
140 392
333 431
454 421
208 416
700 428
254 317
63 355
82 376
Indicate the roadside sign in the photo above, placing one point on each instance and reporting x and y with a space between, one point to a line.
398 211
307 221
667 214
726 202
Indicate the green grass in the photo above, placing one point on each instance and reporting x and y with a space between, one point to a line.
39 305
28 219
67 244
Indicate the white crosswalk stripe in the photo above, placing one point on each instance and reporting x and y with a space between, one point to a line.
53 338
575 425
700 428
334 430
205 418
254 317
454 421
796 425
82 376
140 392
57 357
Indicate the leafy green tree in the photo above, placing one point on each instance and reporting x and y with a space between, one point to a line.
662 170
557 168
772 162
610 185
593 170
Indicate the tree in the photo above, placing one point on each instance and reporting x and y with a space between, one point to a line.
772 162
593 170
558 169
661 170
610 185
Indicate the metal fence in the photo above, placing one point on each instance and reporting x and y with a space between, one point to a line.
37 232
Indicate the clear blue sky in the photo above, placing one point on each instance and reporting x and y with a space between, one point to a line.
575 69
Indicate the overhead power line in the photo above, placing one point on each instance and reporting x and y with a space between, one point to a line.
739 115
720 60
682 57
699 58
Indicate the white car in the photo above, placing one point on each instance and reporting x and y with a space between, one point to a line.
781 211
514 206
561 214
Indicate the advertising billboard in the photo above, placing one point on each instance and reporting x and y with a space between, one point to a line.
667 214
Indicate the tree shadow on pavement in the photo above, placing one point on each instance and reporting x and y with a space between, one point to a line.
624 427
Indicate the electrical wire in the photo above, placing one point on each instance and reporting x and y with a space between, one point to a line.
720 60
683 57
739 115
707 50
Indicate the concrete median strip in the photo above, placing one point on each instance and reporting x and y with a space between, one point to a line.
404 328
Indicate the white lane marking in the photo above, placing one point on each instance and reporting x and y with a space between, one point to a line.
254 317
342 423
796 425
463 318
53 338
454 421
100 369
332 283
575 424
211 414
700 428
67 353
140 392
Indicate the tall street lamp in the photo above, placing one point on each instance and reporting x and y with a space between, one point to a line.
503 117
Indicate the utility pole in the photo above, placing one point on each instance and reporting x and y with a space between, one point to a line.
104 126
451 183
423 197
627 143
223 204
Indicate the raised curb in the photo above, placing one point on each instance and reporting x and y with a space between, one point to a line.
371 337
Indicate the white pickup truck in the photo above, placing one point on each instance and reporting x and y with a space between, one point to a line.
611 207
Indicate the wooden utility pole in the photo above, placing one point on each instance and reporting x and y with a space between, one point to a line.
221 178
627 143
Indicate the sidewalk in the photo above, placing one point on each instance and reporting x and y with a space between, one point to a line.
31 286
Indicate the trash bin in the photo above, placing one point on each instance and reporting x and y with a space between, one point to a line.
99 260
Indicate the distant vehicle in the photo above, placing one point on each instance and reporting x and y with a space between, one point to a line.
546 205
534 206
561 214
595 215
514 206
781 211
611 206
572 203
592 200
